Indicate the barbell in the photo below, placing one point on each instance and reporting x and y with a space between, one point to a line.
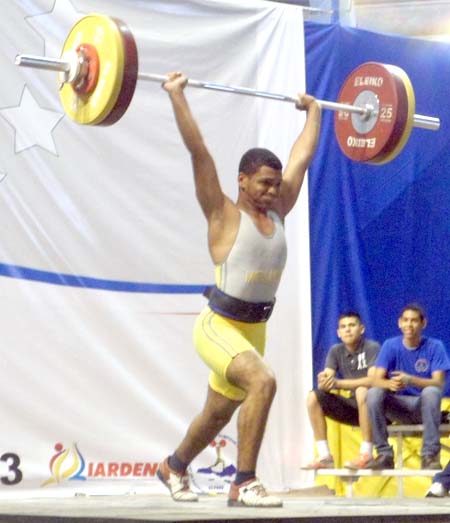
98 72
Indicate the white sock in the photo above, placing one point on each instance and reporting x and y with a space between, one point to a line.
366 448
322 448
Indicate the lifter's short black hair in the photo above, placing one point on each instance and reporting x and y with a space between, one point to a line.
255 158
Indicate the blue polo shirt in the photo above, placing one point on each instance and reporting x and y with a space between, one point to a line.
422 361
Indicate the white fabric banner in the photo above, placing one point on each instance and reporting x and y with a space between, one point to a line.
103 253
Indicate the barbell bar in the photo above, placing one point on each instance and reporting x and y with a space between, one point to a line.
98 71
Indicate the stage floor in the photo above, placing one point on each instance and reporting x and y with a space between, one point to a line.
302 509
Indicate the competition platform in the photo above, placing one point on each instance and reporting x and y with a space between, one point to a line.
313 505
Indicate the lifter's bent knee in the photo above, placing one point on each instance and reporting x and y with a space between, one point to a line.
249 372
264 384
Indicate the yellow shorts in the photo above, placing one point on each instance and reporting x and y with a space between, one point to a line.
218 340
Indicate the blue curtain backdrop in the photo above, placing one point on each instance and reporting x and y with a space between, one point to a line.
380 236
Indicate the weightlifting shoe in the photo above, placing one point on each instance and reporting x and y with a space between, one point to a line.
382 461
251 494
436 490
322 463
431 462
178 484
360 462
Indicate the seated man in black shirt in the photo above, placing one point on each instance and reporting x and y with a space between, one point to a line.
349 366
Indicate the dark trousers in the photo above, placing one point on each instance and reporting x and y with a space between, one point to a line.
339 408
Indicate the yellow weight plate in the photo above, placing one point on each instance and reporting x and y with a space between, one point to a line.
406 84
103 33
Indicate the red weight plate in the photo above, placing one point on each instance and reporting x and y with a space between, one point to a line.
367 146
130 75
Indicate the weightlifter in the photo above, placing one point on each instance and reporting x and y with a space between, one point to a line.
248 248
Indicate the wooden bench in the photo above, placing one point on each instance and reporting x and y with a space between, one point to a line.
399 432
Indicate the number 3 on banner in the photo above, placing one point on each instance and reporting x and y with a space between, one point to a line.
13 462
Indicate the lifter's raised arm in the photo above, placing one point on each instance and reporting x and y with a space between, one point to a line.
208 190
301 154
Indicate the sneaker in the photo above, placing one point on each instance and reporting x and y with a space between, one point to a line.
359 462
436 490
431 462
251 494
382 461
322 463
178 484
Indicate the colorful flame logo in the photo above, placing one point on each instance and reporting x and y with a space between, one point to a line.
66 464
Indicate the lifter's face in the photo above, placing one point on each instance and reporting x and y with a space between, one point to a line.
262 187
350 330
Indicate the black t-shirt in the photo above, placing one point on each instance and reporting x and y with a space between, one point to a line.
352 365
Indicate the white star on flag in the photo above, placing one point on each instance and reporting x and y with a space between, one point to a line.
33 125
55 25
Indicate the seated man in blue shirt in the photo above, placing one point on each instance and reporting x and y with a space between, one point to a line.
407 388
